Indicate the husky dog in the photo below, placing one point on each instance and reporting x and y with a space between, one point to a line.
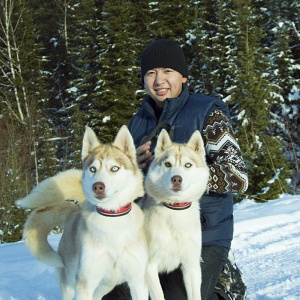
176 180
104 243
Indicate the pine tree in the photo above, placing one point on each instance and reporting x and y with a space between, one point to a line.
285 76
211 45
251 101
114 103
169 19
52 29
83 51
103 90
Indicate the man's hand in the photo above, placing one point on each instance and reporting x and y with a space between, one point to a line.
144 156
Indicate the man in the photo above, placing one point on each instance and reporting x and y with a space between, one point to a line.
170 105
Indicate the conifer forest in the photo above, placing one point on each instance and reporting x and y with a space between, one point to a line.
66 64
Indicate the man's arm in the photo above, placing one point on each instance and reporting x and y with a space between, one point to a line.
227 168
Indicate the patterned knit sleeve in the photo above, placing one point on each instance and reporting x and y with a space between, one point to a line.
227 168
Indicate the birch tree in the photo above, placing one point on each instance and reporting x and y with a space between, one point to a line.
13 91
63 6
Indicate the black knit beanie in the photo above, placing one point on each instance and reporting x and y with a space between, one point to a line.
163 54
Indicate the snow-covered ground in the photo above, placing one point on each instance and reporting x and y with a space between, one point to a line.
266 247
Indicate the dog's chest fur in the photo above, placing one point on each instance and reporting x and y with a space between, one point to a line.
108 242
178 232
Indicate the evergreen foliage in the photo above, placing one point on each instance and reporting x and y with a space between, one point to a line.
66 64
252 103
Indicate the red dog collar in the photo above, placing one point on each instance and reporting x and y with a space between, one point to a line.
178 206
124 210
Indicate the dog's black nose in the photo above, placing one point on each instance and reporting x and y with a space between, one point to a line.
99 188
176 180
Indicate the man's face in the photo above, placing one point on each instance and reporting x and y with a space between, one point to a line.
163 83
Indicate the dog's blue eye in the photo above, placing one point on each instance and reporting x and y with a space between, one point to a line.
115 169
93 169
168 164
188 165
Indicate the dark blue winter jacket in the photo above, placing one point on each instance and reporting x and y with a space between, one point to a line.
185 114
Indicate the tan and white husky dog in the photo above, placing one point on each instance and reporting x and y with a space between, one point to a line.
176 180
103 244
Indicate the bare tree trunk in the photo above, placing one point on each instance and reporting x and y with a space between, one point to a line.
10 64
64 5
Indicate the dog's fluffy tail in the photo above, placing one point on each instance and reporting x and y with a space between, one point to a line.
63 186
39 224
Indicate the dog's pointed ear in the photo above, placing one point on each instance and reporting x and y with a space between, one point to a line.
163 142
124 141
196 143
89 143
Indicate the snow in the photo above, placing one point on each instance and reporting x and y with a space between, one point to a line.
266 249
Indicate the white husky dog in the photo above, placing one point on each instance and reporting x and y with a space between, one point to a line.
104 243
176 180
